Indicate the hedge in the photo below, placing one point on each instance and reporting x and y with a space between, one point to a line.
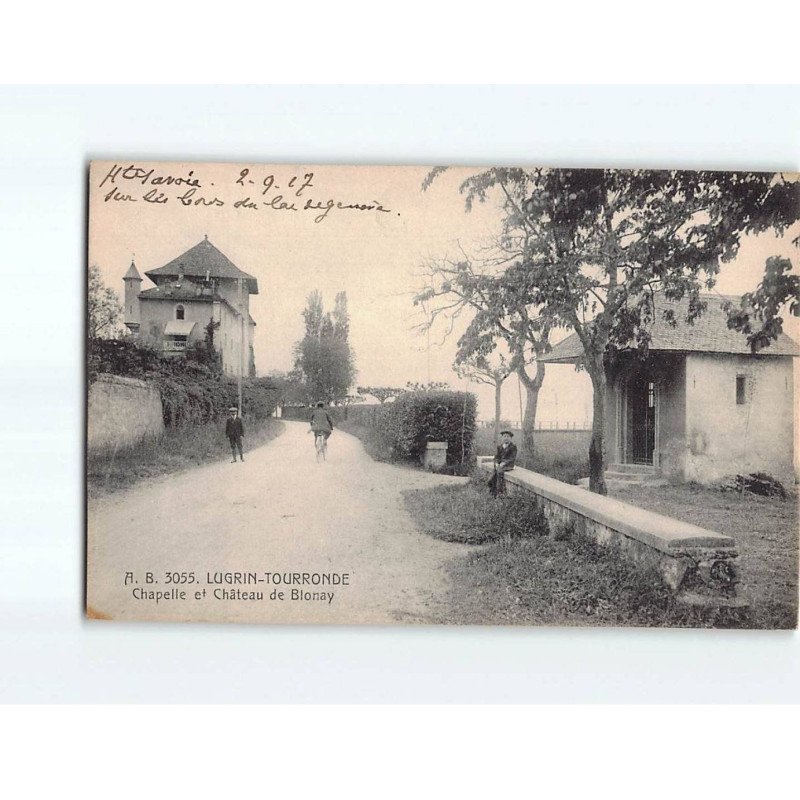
416 418
413 420
193 389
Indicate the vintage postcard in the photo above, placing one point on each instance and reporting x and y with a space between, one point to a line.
430 395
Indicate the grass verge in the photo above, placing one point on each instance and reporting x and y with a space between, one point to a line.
177 449
523 576
378 447
766 533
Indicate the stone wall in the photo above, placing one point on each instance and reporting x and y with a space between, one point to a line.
683 554
122 412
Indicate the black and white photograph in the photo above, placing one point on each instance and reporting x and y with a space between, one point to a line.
493 396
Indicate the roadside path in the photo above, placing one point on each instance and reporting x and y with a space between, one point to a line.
277 512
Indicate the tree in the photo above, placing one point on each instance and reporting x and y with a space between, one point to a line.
323 356
350 400
103 307
485 287
759 312
600 243
204 352
209 333
479 369
431 386
341 318
289 386
380 393
313 314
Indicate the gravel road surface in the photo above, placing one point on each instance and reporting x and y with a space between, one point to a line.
278 512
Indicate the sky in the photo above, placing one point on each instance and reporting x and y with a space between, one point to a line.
375 255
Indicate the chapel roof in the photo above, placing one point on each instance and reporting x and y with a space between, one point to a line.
709 333
204 259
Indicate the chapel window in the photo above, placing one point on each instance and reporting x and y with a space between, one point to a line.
741 387
179 312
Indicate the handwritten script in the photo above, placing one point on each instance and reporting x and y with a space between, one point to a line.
250 191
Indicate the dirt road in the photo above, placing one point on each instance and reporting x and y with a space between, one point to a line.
278 522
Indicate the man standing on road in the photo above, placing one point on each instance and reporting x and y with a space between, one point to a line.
234 430
504 462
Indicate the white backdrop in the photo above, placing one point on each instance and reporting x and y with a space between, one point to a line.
49 653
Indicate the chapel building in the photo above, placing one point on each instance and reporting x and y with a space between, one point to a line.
701 406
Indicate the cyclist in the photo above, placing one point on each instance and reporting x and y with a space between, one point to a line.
321 422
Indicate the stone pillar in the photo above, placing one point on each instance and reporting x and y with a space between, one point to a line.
435 455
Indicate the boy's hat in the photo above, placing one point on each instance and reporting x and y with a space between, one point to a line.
508 432
233 408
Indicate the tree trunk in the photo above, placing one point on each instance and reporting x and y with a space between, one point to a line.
529 421
597 459
498 390
532 386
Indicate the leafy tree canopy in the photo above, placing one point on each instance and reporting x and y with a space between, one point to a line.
324 357
381 393
103 308
593 247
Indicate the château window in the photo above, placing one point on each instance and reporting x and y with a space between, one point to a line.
179 312
741 386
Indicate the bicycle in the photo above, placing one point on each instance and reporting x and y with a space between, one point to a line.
320 445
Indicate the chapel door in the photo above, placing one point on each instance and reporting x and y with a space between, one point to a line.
641 420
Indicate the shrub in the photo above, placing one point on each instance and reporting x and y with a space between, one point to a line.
193 390
416 418
404 427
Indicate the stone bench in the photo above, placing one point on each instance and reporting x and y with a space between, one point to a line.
677 549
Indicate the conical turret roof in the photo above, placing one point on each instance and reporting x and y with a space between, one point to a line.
132 273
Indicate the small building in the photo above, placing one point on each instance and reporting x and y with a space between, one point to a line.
701 406
197 287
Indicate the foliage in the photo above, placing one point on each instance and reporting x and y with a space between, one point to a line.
416 418
596 246
350 400
375 440
324 356
192 391
103 308
208 333
483 369
289 387
380 393
120 357
765 304
204 352
401 430
478 368
477 285
431 386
